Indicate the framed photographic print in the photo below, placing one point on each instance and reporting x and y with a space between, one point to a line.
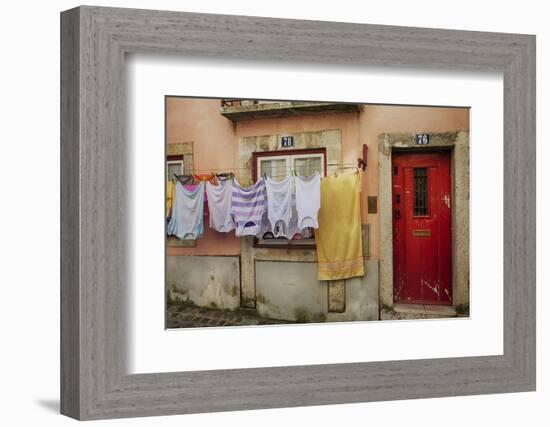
261 213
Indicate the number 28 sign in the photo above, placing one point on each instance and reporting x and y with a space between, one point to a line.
287 141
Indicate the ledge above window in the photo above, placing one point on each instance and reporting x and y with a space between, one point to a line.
239 110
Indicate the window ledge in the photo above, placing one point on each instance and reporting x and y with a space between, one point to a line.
284 109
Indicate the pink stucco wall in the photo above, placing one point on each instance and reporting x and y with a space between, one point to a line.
215 146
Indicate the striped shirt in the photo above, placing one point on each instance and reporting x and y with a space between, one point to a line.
248 205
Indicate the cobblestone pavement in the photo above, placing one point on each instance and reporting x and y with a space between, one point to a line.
187 316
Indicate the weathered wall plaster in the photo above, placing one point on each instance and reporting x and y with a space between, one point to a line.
291 291
206 281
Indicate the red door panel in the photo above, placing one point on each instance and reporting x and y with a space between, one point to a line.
422 228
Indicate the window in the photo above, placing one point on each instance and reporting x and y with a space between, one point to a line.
179 164
277 165
420 191
174 167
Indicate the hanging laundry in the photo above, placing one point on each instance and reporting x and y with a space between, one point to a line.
187 212
169 197
279 212
247 207
186 179
293 232
339 246
219 205
308 200
192 187
265 228
225 176
206 177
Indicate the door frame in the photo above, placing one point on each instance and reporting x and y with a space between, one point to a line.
457 142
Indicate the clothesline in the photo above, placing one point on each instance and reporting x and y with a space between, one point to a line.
271 210
230 169
284 175
246 177
286 209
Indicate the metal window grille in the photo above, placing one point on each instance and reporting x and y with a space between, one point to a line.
420 191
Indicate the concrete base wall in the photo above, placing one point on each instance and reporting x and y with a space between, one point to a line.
206 281
361 296
287 290
291 291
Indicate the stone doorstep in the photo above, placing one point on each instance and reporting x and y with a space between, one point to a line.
440 310
430 310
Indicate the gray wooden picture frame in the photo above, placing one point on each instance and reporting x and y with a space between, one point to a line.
94 382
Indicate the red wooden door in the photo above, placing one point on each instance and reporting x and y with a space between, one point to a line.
422 228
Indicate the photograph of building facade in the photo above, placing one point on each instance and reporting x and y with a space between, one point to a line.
403 172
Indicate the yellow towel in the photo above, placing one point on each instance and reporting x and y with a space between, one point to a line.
338 238
169 196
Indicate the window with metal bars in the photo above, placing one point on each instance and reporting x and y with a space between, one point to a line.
420 191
